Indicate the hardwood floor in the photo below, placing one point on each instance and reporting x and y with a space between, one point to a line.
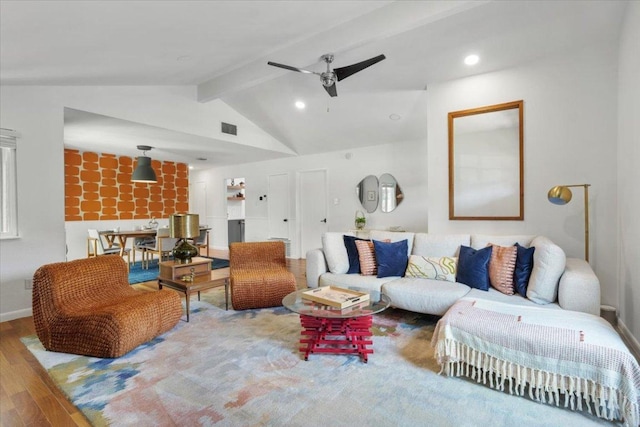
28 397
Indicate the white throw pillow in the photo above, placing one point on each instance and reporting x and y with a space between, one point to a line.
548 265
335 252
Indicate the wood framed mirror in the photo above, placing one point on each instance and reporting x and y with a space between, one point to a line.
486 170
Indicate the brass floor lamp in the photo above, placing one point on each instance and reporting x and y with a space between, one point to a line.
561 195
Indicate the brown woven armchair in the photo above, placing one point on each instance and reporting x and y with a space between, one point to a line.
88 307
259 275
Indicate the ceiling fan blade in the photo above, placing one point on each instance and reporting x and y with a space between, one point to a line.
344 72
290 68
331 90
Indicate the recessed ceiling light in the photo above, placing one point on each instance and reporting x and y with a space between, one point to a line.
190 167
300 105
394 117
471 59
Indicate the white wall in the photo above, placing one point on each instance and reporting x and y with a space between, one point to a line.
404 160
629 172
37 113
570 120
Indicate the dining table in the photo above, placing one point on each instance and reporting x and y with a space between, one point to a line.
122 236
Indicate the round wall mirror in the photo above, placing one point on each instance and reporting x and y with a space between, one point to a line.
367 192
390 193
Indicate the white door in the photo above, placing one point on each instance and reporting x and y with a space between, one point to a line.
198 200
278 206
313 209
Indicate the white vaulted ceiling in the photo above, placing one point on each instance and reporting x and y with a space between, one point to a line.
222 47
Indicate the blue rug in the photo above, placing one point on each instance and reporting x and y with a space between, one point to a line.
138 275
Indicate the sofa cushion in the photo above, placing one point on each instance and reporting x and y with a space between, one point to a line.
436 268
473 267
335 252
391 258
367 257
501 268
524 266
352 253
548 265
354 280
495 295
439 245
479 241
393 236
424 295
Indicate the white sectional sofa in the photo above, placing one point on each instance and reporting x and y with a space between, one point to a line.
567 283
550 342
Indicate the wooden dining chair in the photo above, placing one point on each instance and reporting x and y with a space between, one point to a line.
162 246
95 247
202 241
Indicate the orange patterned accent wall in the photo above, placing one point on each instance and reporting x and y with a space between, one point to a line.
99 187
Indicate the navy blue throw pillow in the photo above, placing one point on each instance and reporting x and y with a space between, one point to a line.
524 266
473 267
392 258
352 252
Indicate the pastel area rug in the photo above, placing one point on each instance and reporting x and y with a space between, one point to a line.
243 368
138 275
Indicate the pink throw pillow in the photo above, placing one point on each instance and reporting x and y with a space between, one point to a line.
367 257
501 268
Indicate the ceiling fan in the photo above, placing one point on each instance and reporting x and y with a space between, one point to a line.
329 77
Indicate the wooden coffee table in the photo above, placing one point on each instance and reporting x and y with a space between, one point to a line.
216 278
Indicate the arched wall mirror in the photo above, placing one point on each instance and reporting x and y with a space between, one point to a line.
385 193
367 192
486 163
390 193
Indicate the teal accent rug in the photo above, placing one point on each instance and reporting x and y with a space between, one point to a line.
243 368
138 275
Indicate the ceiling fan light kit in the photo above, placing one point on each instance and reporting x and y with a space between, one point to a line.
330 77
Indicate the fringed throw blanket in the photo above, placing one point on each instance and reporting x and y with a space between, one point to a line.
563 357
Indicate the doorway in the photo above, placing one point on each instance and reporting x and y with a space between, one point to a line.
313 209
278 206
235 191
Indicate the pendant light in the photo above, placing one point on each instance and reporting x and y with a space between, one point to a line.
144 172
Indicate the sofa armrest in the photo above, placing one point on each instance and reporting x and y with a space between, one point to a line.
316 266
579 288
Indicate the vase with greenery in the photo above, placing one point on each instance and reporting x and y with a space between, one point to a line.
360 220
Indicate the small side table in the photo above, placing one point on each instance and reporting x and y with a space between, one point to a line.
201 282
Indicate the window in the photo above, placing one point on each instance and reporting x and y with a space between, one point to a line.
8 185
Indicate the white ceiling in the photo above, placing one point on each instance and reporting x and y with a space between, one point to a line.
223 47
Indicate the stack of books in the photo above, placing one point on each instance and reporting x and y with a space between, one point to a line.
336 297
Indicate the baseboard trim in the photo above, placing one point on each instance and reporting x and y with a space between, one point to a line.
629 339
12 315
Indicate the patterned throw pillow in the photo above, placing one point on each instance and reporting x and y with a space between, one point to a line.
501 268
438 268
367 257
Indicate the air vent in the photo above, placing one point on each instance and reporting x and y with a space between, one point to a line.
229 128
